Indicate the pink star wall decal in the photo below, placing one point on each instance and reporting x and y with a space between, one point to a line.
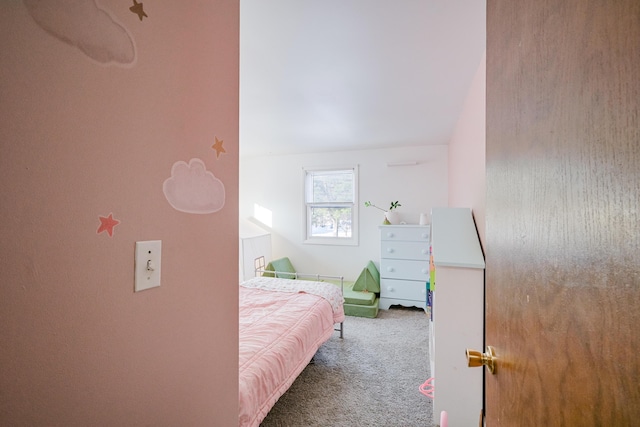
107 224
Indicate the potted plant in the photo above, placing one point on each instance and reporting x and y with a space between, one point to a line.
390 217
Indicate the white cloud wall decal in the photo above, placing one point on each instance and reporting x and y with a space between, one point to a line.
193 189
84 25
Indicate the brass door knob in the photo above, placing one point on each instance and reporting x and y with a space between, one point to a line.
488 359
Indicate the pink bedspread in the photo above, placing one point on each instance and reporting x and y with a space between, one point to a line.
280 331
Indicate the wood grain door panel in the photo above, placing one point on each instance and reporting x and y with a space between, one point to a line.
563 212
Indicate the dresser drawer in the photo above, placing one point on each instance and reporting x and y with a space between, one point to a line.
405 233
404 289
404 250
404 269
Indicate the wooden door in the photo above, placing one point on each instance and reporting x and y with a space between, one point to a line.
563 212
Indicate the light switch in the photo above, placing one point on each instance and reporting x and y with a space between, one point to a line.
148 260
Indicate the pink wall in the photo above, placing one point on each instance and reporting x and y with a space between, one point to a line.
82 138
467 153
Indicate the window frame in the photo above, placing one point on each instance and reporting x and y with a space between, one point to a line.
308 206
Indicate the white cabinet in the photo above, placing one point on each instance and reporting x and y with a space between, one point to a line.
458 315
404 265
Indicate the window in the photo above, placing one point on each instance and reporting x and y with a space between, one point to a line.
331 206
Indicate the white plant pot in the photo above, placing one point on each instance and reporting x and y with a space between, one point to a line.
392 217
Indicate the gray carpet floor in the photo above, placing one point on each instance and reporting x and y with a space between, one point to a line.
369 378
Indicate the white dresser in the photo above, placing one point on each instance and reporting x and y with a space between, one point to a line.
404 265
458 315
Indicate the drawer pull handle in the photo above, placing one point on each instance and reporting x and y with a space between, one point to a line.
424 251
390 288
424 271
425 235
390 250
389 269
389 234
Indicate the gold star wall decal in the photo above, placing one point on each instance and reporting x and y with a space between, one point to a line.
138 10
218 147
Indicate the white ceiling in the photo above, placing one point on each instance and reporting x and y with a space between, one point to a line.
350 74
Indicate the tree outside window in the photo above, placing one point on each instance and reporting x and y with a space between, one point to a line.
330 197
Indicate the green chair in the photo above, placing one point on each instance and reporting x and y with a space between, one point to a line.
361 298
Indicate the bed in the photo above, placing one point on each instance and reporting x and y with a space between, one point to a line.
283 322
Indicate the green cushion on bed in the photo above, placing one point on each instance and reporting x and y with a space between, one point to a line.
369 279
283 268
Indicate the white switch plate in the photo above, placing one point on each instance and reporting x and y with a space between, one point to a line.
148 260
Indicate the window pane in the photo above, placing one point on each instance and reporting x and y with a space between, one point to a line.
331 221
332 187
